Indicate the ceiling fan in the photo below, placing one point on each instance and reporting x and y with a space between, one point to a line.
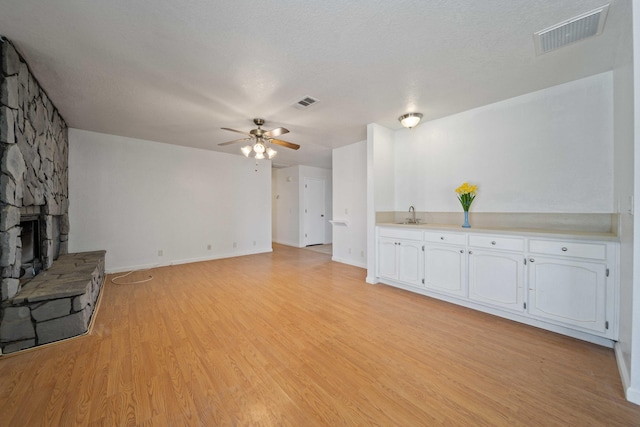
259 139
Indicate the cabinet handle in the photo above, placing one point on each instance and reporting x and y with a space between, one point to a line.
441 238
461 251
564 249
532 260
493 242
470 252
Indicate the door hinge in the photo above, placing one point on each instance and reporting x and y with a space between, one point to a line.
607 272
423 281
422 251
606 324
525 261
524 304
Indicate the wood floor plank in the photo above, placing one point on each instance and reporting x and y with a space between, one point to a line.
291 338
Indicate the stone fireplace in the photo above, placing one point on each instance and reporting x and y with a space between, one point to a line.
34 221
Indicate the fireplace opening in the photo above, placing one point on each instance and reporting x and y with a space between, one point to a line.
30 237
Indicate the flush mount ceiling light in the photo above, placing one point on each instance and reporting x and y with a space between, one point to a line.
409 120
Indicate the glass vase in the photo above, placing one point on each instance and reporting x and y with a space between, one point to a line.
466 220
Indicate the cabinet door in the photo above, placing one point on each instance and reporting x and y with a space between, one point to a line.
387 260
570 292
410 262
445 269
497 278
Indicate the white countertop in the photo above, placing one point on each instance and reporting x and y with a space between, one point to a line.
527 232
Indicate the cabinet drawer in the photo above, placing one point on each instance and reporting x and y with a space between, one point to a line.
570 249
400 233
497 242
445 237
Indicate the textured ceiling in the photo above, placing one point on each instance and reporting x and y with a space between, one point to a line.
177 72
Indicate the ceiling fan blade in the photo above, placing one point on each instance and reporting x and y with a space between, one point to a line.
276 132
285 144
239 131
234 141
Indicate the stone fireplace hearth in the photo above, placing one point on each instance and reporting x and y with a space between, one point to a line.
34 221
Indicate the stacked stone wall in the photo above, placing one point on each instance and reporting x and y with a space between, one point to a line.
33 166
57 304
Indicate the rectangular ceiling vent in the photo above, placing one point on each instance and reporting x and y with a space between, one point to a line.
570 31
305 102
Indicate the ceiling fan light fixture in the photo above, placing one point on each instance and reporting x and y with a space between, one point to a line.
410 120
258 148
259 139
246 150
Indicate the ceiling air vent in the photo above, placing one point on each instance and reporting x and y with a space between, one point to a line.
305 102
570 31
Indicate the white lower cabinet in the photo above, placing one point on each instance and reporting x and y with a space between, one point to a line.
387 258
445 269
445 263
573 283
564 285
410 262
497 278
571 292
401 259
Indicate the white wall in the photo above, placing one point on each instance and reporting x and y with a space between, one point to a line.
546 151
623 188
350 204
633 391
380 185
382 145
133 198
288 203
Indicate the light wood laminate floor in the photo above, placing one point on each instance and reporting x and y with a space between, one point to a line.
290 338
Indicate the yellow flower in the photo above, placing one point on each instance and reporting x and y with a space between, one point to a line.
465 188
466 194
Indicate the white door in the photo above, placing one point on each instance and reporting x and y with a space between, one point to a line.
314 219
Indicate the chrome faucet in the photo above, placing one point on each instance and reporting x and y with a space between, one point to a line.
412 211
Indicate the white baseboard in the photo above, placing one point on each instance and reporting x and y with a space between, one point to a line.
121 269
288 243
633 395
349 262
623 370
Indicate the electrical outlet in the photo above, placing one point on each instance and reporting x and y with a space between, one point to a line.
346 211
254 243
235 245
362 254
349 251
208 247
160 252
